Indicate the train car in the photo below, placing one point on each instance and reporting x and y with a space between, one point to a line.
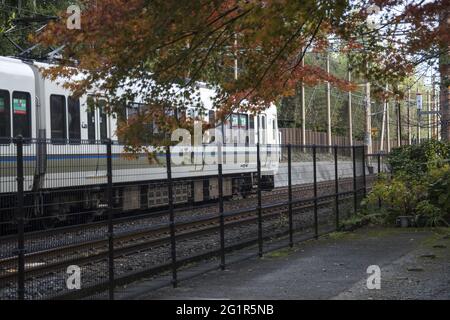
65 153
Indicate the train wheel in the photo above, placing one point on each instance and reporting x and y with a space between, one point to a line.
49 222
54 214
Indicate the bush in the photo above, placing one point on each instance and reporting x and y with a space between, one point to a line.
430 213
398 195
420 184
417 160
439 189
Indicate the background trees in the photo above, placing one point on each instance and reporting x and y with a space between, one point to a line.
159 43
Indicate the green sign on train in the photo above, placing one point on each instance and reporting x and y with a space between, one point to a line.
20 106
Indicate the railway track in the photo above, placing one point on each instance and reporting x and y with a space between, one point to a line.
42 262
164 212
126 244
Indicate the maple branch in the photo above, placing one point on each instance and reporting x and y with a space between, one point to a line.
183 57
295 35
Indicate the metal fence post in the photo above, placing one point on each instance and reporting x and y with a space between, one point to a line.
110 219
364 170
171 218
291 236
316 222
20 220
259 207
355 192
379 171
222 222
336 184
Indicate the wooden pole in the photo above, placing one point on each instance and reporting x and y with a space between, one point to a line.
328 104
383 124
350 115
428 116
368 119
409 116
388 129
303 107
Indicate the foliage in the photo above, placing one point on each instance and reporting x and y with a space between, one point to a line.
432 214
360 220
416 160
18 22
399 196
155 44
439 188
420 185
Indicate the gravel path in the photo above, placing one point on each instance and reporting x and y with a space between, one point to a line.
414 263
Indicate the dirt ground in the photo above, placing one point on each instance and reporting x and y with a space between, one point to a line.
414 264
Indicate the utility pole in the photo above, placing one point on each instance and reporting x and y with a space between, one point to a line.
235 57
408 115
444 70
419 115
383 124
368 135
328 103
388 129
399 124
428 116
434 120
303 107
350 115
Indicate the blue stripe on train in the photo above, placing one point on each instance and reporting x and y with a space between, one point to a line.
57 157
73 156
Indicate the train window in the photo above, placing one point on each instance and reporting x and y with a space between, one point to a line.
132 110
58 117
74 119
252 122
234 120
103 120
91 119
274 129
21 114
243 119
212 117
263 130
91 125
5 115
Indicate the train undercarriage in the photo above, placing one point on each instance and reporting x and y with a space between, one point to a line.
52 207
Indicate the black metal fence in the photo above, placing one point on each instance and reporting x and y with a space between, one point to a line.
82 219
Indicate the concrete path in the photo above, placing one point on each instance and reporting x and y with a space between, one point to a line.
415 264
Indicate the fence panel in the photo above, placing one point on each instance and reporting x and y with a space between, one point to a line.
88 207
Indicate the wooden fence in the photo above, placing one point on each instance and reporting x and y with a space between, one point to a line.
294 136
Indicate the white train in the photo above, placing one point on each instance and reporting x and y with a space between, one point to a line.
65 164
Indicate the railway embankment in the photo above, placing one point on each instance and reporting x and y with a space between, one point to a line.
414 264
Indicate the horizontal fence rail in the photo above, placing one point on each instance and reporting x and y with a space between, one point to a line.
79 220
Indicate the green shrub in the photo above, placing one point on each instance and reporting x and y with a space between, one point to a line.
439 188
398 195
433 215
417 160
419 186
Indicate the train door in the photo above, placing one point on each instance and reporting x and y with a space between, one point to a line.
239 128
102 121
97 121
262 129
